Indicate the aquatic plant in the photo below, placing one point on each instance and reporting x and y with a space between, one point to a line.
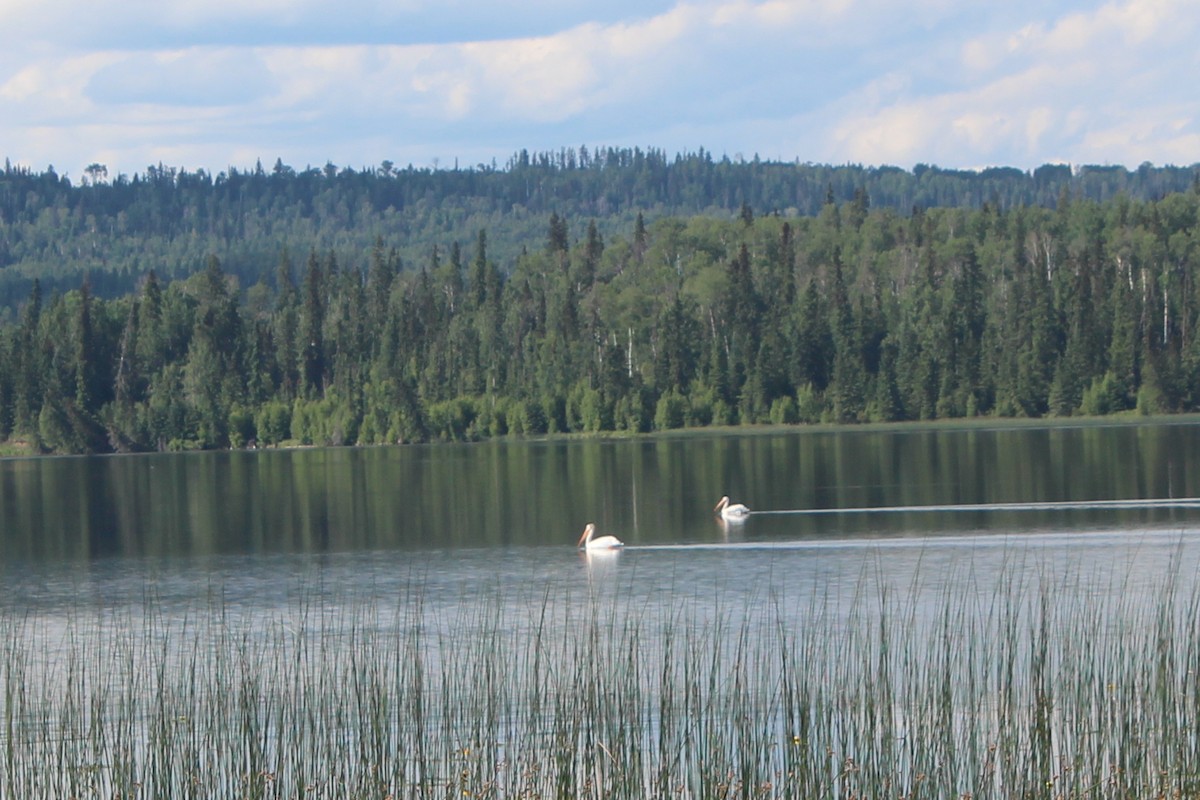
1024 687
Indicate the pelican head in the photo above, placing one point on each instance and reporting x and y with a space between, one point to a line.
724 501
588 532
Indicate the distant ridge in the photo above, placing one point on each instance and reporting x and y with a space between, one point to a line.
115 228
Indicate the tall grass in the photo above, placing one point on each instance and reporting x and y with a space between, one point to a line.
1029 688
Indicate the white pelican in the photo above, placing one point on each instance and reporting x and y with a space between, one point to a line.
586 542
733 513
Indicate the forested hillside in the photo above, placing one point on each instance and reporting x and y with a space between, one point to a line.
862 311
113 229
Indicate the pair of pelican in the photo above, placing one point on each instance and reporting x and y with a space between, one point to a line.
735 512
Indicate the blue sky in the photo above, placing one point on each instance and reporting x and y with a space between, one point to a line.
957 83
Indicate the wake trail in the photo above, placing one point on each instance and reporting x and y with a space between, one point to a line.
1065 505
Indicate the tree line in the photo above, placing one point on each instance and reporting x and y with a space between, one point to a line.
859 313
112 229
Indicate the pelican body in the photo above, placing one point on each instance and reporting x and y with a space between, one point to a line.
587 542
732 513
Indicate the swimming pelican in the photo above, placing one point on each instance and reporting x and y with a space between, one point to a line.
586 542
734 513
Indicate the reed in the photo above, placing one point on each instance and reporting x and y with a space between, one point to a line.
1023 688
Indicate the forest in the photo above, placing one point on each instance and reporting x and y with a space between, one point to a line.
112 230
584 292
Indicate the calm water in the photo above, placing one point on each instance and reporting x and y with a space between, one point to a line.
504 516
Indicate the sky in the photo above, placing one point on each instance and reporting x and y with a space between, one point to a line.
968 84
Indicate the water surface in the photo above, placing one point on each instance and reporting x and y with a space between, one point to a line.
259 526
647 491
235 600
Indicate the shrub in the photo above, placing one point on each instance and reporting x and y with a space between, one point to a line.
784 411
273 422
669 412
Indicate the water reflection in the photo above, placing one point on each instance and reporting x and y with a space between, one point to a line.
649 491
732 530
601 564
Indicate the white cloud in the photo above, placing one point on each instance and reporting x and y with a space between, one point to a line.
540 79
1066 86
51 87
194 77
1162 135
871 81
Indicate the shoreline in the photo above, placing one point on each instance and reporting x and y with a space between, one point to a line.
21 449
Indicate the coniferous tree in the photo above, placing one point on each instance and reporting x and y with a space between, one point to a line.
380 275
589 259
784 275
128 389
640 238
285 327
311 323
28 367
213 373
1038 351
675 349
479 273
558 239
87 368
741 314
8 371
887 406
962 378
849 375
92 360
814 349
152 348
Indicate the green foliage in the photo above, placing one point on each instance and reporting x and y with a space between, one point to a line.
324 422
453 420
273 422
554 410
855 314
533 417
632 412
784 411
1150 400
1105 395
173 219
242 428
809 406
587 411
700 407
54 429
669 412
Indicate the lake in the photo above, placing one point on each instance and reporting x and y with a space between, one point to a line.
285 596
